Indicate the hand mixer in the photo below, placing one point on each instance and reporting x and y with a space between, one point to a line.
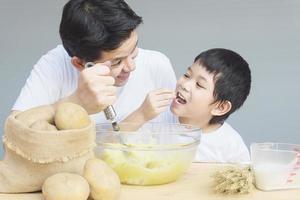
109 112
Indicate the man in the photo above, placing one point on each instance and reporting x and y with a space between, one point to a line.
104 32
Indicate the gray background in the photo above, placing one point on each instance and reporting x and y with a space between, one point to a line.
265 33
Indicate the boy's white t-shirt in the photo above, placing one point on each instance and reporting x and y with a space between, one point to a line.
54 77
222 145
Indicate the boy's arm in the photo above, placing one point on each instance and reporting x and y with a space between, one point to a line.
155 103
133 121
165 77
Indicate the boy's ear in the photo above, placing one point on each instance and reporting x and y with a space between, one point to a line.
221 108
78 63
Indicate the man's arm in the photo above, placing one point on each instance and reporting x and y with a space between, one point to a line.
94 91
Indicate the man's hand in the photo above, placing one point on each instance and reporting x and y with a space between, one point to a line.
156 102
96 88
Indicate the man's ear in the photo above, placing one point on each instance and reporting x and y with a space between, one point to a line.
221 108
78 63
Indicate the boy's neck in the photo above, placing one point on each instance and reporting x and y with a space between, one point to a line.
205 126
210 128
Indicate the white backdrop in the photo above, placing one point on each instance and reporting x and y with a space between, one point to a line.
265 33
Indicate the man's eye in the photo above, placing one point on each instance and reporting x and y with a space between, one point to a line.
117 63
186 76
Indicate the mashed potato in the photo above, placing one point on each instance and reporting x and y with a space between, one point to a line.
148 167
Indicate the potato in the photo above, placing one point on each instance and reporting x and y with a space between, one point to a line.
71 116
65 186
43 125
104 182
32 115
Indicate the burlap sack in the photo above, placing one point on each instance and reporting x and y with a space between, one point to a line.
32 155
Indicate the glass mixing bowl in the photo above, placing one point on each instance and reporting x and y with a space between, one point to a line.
156 153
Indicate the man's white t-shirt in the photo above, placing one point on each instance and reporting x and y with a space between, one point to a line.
54 77
222 145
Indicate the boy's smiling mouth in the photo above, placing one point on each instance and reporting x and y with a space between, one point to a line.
180 98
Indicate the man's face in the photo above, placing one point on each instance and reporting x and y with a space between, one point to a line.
194 95
122 59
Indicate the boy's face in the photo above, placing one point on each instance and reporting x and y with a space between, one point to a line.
194 96
122 59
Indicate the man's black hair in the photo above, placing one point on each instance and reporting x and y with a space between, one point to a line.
89 27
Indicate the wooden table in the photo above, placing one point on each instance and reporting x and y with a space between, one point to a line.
194 185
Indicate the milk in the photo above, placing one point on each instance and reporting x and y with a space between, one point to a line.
276 166
271 176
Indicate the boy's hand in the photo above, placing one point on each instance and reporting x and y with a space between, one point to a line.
156 102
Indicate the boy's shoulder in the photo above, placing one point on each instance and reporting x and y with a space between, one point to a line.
226 145
223 145
224 131
225 137
231 134
229 131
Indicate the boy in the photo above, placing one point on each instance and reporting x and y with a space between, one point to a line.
215 86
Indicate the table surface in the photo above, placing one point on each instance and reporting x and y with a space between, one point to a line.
195 184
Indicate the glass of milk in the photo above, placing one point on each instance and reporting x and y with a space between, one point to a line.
276 166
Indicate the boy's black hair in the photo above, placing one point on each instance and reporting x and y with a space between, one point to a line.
89 27
232 77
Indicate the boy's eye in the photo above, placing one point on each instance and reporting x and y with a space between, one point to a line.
186 76
199 85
